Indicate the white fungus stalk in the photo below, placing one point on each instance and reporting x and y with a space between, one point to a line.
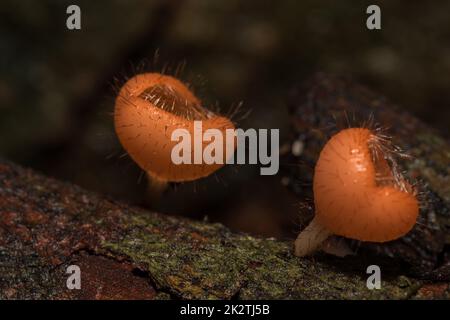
310 239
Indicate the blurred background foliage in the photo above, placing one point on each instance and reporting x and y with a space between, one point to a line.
57 86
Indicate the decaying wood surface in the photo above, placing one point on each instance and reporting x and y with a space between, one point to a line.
126 252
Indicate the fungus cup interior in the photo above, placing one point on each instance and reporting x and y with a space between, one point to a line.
148 109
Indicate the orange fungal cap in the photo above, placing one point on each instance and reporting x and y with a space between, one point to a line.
149 107
348 201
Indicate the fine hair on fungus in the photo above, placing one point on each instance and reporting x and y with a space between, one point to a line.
359 192
148 108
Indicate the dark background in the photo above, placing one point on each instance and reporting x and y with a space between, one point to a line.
57 92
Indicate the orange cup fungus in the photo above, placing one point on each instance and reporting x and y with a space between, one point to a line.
357 194
149 107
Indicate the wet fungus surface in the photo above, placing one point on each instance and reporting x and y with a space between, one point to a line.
149 107
356 194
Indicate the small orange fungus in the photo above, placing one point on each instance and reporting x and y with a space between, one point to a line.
357 194
149 107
